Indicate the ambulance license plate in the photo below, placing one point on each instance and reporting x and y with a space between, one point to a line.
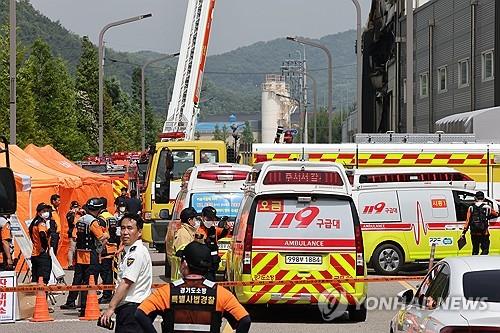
318 260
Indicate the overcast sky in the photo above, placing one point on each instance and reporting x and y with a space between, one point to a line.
236 22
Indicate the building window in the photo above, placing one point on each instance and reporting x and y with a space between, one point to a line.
463 73
442 79
487 65
404 90
424 85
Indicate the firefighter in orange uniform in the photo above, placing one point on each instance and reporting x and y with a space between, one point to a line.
110 224
41 263
6 247
193 303
90 239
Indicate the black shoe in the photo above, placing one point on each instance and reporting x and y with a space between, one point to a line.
67 306
103 300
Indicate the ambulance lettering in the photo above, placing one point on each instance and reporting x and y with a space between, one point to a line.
305 243
379 208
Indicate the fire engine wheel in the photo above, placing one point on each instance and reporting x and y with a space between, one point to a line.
387 259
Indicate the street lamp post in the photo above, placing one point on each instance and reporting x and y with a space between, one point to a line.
330 78
12 72
101 73
143 95
359 65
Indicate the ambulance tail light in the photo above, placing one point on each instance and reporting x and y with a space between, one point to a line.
468 329
247 249
360 260
222 175
303 177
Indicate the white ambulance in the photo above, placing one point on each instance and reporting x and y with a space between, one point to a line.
403 211
298 221
219 185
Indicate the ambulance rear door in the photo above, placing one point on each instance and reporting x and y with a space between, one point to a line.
305 235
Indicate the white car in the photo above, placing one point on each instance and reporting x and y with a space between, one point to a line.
458 295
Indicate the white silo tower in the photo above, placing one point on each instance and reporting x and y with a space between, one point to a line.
277 106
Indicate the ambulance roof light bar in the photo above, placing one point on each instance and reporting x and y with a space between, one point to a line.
303 177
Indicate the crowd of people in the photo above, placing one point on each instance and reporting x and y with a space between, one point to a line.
109 246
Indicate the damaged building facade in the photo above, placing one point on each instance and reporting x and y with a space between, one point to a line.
455 62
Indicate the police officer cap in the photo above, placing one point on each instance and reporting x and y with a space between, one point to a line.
479 195
188 213
197 256
95 204
209 212
41 206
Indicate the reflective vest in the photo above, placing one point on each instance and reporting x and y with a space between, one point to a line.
84 238
192 307
109 221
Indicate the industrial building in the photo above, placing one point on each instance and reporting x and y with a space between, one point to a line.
455 62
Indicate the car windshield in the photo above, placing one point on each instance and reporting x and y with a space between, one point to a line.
482 284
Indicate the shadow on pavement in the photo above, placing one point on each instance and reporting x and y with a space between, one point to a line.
291 314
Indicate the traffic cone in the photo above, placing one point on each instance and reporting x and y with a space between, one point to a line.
41 312
92 311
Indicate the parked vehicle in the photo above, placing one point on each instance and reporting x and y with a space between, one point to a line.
298 221
212 184
458 295
404 211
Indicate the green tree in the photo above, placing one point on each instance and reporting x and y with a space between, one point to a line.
55 100
247 134
152 123
121 119
87 94
27 128
322 127
217 134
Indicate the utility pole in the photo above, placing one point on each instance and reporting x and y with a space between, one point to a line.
13 72
330 78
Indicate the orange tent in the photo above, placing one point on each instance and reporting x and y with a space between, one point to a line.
93 185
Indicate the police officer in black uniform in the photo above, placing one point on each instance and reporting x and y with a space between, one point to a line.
90 238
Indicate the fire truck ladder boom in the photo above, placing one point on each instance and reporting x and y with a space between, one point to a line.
184 106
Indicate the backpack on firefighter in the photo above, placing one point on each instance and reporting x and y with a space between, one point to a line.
479 218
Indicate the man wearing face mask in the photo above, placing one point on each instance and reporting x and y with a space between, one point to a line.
41 263
211 234
121 209
186 233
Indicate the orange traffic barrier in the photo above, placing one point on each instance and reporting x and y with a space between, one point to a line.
92 311
224 283
41 312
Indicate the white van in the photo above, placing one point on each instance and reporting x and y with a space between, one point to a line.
298 221
219 185
403 211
